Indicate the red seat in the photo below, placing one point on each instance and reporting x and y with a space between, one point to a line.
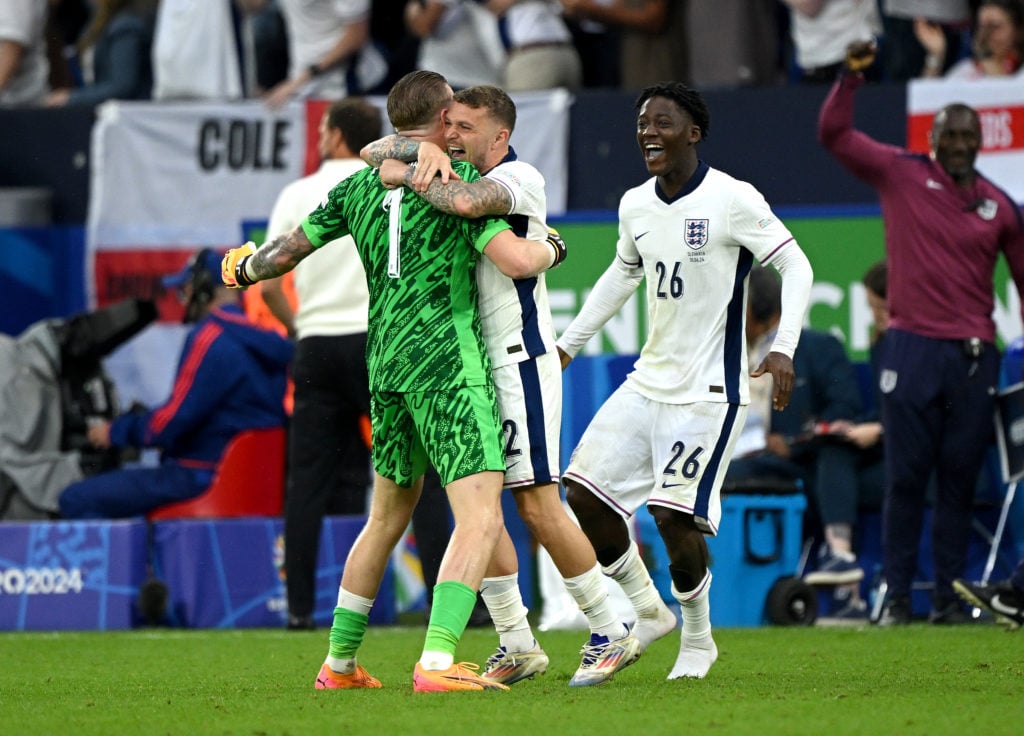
249 481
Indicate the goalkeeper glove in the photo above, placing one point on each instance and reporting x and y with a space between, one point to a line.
232 267
556 242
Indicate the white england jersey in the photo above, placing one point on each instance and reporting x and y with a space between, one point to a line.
516 315
696 252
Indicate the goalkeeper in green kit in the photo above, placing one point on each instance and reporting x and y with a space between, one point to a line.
432 393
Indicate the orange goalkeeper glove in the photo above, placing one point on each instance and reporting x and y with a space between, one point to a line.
232 267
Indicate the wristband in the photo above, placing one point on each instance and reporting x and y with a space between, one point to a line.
314 70
243 274
557 245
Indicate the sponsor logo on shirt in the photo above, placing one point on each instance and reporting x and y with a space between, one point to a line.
696 233
765 222
932 184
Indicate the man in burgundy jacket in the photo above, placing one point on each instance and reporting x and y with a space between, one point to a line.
945 226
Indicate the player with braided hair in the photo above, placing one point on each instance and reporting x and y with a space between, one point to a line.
694 233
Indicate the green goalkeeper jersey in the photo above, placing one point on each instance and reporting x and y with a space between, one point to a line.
424 323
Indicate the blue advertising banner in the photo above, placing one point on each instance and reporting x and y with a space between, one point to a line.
71 575
229 573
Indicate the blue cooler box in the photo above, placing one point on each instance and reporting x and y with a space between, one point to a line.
68 575
759 541
229 573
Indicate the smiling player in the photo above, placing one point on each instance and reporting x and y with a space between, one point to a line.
518 330
665 437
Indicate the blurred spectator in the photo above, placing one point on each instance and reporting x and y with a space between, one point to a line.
24 66
598 47
330 51
458 39
997 43
733 43
651 37
230 378
114 54
265 31
197 49
867 433
903 56
764 308
541 54
400 47
822 29
64 26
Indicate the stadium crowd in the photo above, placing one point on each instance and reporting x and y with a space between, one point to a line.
85 51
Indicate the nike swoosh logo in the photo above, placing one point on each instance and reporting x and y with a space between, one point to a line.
641 235
932 184
1000 607
673 485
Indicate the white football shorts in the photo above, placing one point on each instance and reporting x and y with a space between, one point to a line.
638 451
530 405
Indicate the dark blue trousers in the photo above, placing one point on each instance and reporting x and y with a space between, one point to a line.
121 494
937 409
329 466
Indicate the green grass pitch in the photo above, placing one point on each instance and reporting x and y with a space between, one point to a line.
919 679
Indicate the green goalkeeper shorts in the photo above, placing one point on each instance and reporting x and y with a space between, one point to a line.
457 431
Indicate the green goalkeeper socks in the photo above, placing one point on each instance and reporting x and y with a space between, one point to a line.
449 613
347 633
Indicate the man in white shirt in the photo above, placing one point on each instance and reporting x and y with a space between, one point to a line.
24 68
331 54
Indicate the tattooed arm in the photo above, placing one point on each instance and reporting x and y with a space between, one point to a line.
244 266
390 146
280 255
431 160
466 199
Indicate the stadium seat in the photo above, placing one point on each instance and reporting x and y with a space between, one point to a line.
249 481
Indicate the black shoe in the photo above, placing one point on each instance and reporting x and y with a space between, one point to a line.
153 597
1002 600
950 614
896 612
301 623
